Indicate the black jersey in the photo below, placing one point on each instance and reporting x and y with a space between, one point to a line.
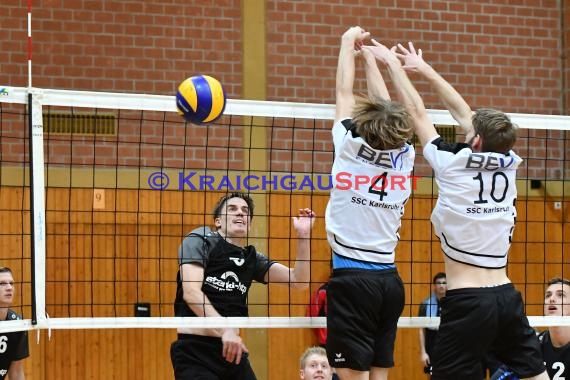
229 271
556 359
13 346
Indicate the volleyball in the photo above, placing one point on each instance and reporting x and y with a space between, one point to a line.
200 99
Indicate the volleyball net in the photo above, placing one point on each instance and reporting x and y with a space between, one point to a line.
99 189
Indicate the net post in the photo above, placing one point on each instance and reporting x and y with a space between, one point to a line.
37 205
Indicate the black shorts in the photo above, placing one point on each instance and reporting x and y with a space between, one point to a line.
477 320
196 357
363 311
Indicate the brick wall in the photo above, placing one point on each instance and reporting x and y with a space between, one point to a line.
495 52
566 54
124 46
498 53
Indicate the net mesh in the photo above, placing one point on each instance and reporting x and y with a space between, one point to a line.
126 178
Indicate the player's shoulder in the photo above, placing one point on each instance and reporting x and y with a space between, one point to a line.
544 338
343 126
202 234
12 315
203 231
439 145
201 239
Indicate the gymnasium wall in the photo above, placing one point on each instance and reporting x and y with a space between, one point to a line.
565 47
510 56
498 53
101 263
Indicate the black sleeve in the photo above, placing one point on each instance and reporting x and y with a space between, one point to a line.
454 148
262 265
194 247
350 127
22 350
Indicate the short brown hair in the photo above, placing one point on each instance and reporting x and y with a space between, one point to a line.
383 124
558 280
498 132
222 201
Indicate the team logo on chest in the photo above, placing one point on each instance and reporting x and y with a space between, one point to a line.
237 261
227 282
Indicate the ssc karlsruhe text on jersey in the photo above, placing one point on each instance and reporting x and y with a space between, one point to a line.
475 213
362 221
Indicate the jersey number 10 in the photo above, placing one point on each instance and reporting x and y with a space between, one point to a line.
501 197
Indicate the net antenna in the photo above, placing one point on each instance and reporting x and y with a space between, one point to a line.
45 103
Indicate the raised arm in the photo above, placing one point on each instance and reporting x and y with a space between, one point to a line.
350 42
374 80
407 93
452 100
297 277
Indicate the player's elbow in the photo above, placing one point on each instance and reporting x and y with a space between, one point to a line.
192 297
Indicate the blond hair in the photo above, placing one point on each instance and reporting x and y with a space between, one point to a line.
383 124
316 350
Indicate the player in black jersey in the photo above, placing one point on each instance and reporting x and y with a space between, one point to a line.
430 307
474 219
217 268
13 345
555 341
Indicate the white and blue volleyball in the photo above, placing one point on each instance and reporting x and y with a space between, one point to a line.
200 99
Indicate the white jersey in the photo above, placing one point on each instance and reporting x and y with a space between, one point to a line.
475 213
370 188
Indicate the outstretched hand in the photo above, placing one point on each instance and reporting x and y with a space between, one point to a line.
304 222
381 52
412 60
356 35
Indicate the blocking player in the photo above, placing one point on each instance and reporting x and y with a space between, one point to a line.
365 295
474 219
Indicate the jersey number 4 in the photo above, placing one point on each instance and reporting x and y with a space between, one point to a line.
375 189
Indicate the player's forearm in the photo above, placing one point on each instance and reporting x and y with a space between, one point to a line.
374 80
422 342
407 93
16 370
301 273
199 303
451 99
345 67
